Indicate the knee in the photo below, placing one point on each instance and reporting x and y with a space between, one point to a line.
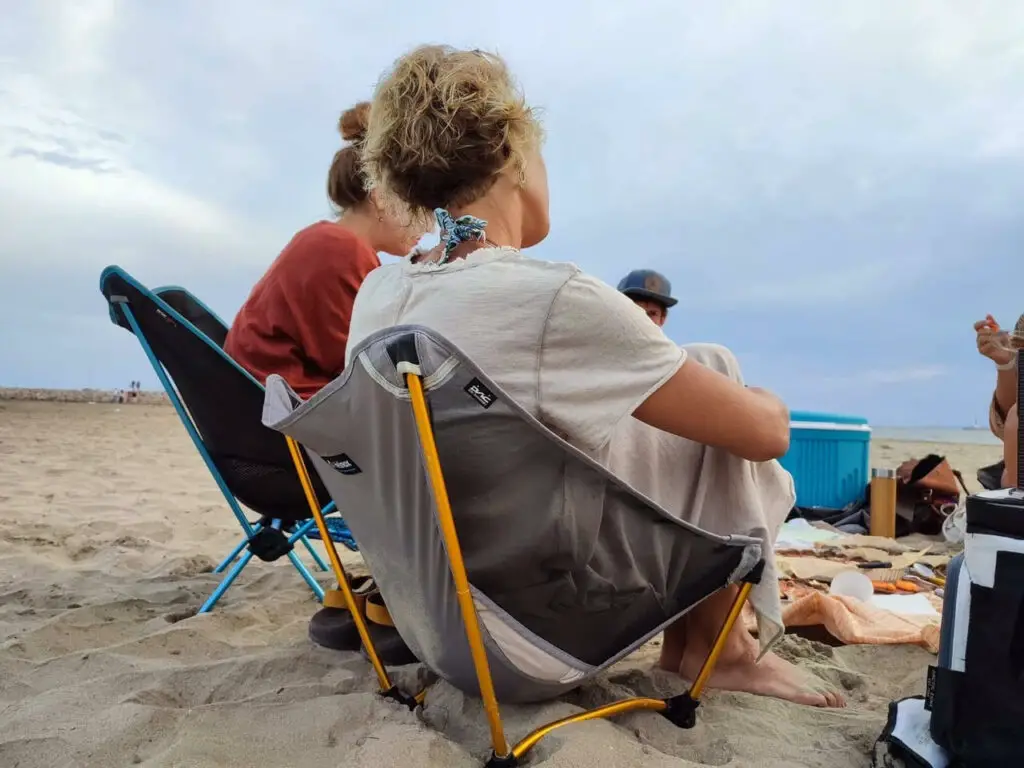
716 357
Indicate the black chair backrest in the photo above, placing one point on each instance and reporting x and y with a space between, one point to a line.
223 400
197 313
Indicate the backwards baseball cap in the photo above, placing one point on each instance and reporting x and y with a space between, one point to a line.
648 284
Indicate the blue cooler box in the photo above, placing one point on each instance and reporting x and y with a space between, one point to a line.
828 458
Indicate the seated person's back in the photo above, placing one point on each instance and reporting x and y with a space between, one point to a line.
572 351
296 320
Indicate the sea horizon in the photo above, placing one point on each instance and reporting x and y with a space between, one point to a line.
960 435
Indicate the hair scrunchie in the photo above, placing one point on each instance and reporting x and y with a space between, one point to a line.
456 231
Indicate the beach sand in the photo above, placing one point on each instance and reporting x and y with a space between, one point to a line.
109 527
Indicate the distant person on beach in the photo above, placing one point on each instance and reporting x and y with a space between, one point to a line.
452 138
651 291
1001 348
296 320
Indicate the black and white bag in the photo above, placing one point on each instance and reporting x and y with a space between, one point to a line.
972 715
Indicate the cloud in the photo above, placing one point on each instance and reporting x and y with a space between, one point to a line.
61 159
60 164
886 377
835 195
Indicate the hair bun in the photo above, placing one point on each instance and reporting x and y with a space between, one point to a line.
353 122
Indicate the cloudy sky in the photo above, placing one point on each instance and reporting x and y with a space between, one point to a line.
837 195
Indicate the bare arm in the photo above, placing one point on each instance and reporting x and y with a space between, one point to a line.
993 344
707 407
1010 438
1006 389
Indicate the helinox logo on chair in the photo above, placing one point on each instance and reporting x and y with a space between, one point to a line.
166 318
343 464
480 393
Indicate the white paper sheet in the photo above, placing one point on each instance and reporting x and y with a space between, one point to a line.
908 605
801 535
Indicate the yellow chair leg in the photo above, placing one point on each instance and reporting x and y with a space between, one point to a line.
680 710
608 710
701 681
502 754
386 686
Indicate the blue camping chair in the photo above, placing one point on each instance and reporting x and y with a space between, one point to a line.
221 406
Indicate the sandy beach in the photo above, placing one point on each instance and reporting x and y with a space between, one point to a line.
109 528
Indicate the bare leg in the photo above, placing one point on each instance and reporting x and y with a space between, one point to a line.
687 643
672 644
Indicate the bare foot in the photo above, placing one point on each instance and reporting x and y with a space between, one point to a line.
771 676
686 642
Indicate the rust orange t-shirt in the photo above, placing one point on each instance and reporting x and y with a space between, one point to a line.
295 322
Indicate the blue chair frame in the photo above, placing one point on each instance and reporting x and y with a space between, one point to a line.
240 556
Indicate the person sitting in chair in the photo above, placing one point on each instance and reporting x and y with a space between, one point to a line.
650 291
633 442
1001 348
450 136
296 320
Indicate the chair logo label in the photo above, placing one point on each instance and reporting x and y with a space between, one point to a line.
929 689
343 464
166 318
480 393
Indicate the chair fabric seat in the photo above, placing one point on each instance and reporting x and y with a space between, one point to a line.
269 489
570 568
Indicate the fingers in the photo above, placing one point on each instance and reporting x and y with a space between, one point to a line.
987 336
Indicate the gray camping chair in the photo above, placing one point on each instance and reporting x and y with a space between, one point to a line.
557 570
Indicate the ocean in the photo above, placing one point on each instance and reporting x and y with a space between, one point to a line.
969 435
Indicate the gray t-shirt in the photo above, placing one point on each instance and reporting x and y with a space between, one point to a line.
568 348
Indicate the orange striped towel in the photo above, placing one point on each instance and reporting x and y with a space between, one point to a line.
855 623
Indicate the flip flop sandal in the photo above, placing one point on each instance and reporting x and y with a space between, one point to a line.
332 626
391 648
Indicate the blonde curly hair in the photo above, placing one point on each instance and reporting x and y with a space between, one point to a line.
444 125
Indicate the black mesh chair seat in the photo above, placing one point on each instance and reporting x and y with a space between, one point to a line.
268 489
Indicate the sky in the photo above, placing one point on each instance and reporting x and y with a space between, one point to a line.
835 194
